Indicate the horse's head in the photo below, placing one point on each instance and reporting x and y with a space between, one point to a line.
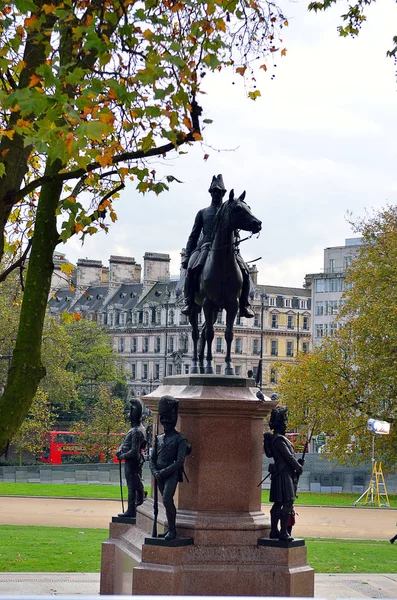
241 216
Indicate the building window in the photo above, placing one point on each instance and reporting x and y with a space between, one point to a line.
254 372
332 265
319 308
274 321
273 376
320 330
140 317
144 371
305 323
158 317
183 344
218 369
290 348
187 369
272 301
332 328
183 320
347 261
145 344
290 322
238 370
110 319
333 285
122 319
320 285
305 347
238 319
239 346
169 369
157 371
121 344
178 369
332 307
200 317
274 348
303 304
255 346
219 319
157 345
133 371
219 344
170 344
171 317
146 318
256 320
133 344
287 302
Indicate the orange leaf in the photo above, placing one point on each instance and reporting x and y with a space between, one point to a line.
206 156
34 80
107 117
241 70
284 52
197 136
264 67
187 122
78 227
6 151
76 316
29 21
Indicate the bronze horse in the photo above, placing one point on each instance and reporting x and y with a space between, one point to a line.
220 282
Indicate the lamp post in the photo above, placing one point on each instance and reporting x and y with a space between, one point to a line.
259 376
297 334
167 300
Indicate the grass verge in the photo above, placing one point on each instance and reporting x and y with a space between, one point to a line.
351 556
112 492
70 550
50 549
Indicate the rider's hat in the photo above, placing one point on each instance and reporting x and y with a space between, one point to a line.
217 183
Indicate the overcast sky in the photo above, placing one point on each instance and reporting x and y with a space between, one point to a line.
321 141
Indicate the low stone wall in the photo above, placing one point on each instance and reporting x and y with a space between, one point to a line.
319 475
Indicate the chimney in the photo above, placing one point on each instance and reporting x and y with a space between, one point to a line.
122 269
254 274
156 267
89 272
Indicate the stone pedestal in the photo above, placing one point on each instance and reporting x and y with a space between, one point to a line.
220 507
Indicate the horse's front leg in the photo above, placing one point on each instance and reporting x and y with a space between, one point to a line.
193 319
231 313
209 330
201 348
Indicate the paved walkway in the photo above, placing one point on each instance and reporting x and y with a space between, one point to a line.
359 523
330 587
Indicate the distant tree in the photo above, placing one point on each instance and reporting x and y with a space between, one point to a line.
90 91
93 363
38 421
353 376
104 417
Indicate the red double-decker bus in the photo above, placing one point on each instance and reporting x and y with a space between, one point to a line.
61 447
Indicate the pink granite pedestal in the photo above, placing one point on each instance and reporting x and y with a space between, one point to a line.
220 507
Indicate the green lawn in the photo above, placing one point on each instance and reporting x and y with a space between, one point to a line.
70 550
52 549
109 492
351 556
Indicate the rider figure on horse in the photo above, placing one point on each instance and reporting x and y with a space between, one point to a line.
198 246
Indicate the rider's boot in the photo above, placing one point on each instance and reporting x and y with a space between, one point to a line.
189 293
245 310
284 535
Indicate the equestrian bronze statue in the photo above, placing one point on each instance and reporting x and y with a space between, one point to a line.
217 277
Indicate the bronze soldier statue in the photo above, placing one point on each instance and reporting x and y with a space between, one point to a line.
197 248
167 460
131 451
285 472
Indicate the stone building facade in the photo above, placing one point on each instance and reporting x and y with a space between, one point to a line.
151 336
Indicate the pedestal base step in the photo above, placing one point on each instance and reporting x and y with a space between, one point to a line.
126 520
281 543
178 541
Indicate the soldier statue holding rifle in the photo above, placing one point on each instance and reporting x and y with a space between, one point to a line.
166 463
131 451
284 473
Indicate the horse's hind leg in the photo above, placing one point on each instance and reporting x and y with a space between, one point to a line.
201 348
230 316
210 317
193 319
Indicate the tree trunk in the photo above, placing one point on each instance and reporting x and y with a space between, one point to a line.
26 369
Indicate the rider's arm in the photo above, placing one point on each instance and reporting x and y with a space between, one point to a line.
195 234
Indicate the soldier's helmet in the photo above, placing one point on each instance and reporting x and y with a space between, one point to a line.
135 411
168 409
217 183
278 418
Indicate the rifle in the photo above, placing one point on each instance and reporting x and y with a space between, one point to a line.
155 498
121 485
